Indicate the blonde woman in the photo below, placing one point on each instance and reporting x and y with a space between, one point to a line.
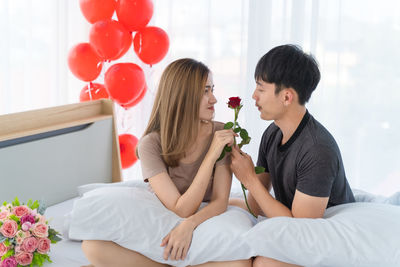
178 154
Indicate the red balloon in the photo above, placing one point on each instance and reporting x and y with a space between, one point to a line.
134 14
136 100
151 44
127 147
124 82
84 62
108 38
96 10
97 91
127 44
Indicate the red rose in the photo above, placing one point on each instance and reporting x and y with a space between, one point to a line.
234 102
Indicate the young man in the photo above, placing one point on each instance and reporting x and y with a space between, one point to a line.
300 157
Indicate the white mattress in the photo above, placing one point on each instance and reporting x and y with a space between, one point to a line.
65 253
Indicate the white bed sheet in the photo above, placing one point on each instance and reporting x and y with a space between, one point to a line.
66 253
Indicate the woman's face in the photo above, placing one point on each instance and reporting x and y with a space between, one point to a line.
208 100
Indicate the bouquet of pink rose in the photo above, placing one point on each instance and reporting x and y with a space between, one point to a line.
25 235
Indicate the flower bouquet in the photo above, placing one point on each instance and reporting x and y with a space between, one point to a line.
234 103
25 235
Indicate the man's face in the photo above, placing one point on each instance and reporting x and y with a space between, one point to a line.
268 103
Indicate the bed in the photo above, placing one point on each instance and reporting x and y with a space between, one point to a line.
78 174
46 154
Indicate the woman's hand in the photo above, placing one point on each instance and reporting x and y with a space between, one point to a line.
220 139
177 242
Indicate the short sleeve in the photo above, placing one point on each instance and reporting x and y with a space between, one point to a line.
149 152
262 152
317 171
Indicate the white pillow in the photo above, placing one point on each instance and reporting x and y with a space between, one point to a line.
128 183
136 219
355 234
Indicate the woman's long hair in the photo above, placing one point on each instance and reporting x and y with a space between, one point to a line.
175 114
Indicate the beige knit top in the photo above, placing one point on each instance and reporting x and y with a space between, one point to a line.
152 163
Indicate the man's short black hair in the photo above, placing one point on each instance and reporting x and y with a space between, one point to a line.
288 66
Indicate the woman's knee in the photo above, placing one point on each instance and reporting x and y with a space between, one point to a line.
268 262
93 249
246 263
263 262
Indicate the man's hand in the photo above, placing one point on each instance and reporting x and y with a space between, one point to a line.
242 166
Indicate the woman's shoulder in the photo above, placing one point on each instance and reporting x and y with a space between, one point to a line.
149 140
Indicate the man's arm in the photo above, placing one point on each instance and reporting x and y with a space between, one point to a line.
303 206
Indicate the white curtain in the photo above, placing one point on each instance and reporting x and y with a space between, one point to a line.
355 42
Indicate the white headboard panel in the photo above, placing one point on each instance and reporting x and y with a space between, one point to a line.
45 154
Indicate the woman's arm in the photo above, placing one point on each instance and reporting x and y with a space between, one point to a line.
177 242
188 203
220 196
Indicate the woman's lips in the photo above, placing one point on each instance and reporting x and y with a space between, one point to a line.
211 108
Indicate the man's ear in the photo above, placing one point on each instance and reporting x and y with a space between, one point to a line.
289 96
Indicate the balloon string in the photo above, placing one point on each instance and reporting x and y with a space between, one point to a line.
140 43
90 85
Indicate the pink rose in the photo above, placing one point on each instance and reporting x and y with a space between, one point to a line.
21 211
26 226
43 245
21 235
34 212
9 262
29 244
17 249
4 214
9 228
28 218
3 249
40 218
40 230
24 258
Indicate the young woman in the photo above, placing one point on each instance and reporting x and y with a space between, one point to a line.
178 153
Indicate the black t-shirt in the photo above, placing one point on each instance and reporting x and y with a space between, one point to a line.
309 161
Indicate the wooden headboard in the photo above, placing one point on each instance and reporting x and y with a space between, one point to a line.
45 154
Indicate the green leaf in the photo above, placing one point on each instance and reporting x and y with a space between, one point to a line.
7 242
8 254
236 130
14 218
259 169
16 202
244 134
228 148
5 203
247 140
222 155
29 204
38 259
2 238
42 208
54 236
228 125
35 205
